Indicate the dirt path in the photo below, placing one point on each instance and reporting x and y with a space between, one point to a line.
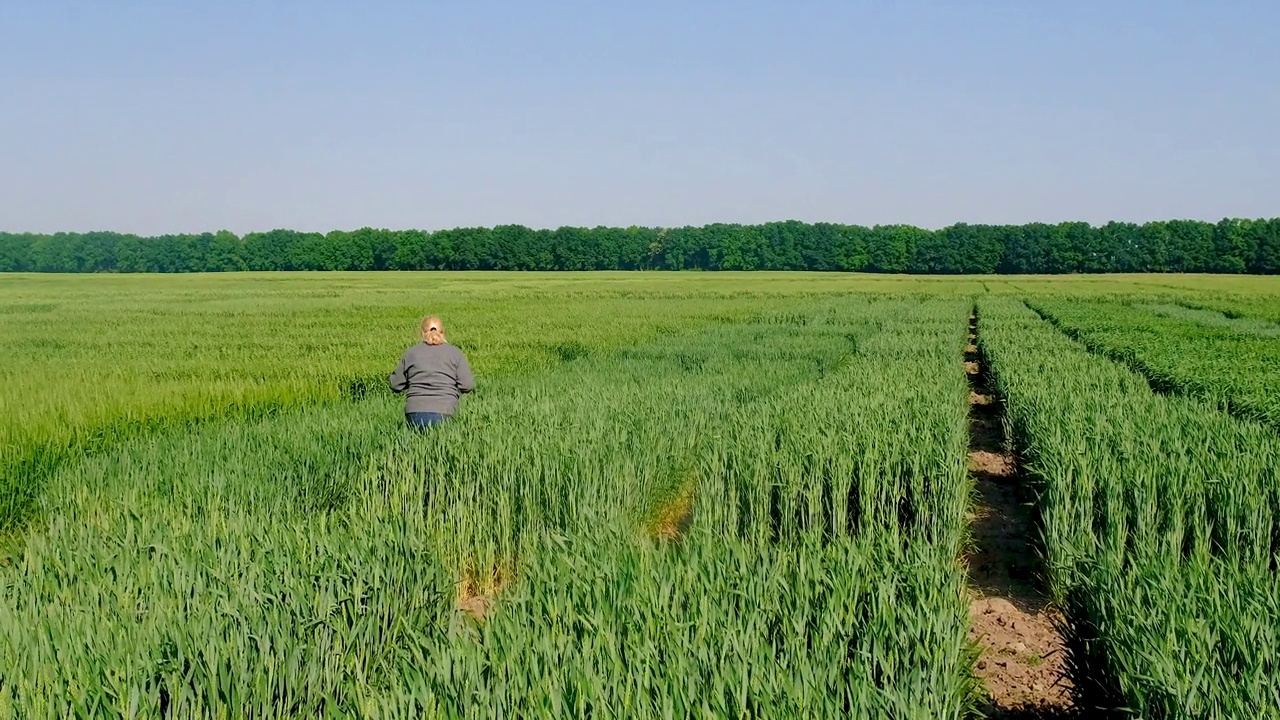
1023 663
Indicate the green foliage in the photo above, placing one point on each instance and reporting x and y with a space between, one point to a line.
307 564
87 362
691 495
1233 245
85 366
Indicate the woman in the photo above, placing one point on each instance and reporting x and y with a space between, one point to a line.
433 374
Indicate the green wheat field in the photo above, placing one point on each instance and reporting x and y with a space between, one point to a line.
673 495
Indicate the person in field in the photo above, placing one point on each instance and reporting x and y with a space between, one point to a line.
433 375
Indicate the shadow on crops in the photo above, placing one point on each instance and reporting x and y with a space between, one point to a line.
567 352
361 387
1033 712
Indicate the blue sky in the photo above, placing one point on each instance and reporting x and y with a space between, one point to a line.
164 116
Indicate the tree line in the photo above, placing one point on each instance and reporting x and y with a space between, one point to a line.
1233 245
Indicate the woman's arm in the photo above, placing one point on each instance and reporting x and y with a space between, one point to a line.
399 379
466 381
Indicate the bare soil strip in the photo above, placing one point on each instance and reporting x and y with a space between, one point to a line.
1023 660
477 594
674 518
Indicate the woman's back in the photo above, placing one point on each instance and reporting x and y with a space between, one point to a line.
433 374
432 377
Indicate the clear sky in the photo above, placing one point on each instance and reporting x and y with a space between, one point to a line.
186 116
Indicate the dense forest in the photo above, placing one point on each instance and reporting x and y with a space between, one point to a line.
1229 246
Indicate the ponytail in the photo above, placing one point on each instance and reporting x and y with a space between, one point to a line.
433 331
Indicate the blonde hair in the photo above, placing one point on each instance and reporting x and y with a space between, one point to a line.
433 331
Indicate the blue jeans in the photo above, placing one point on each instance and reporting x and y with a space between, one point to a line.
424 420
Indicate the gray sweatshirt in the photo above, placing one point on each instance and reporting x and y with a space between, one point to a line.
434 376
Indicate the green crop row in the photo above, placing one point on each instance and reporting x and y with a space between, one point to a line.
1237 305
1161 523
1198 312
309 564
1228 363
